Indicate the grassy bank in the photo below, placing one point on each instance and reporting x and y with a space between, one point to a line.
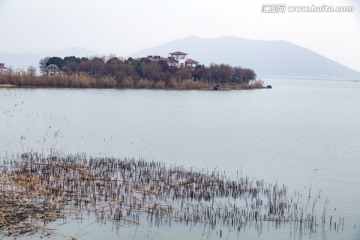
86 81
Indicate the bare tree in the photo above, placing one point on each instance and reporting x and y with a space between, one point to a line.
183 74
31 71
43 64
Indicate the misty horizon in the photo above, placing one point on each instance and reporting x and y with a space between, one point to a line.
123 27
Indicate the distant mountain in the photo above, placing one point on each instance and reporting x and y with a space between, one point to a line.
24 60
73 51
266 58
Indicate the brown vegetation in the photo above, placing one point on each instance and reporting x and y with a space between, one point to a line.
35 189
86 81
67 81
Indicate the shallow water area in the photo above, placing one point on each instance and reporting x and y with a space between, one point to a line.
304 133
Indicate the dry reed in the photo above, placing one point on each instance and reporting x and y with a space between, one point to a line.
36 188
87 81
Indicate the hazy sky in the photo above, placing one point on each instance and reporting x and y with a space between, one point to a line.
124 27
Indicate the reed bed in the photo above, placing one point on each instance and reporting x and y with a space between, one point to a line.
37 189
58 81
87 81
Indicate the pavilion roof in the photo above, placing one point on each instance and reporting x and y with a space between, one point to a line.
178 53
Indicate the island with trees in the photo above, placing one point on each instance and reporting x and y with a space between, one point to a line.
151 72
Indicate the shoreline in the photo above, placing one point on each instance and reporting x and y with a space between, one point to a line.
136 88
7 86
86 82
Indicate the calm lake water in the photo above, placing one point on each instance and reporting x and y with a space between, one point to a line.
304 133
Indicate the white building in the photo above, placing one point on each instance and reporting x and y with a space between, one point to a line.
182 61
191 63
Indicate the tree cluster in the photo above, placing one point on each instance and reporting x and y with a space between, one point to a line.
224 73
122 69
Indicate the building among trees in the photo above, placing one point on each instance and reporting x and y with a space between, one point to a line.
151 70
175 60
53 69
2 68
182 61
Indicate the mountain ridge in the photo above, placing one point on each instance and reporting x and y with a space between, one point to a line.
267 58
277 58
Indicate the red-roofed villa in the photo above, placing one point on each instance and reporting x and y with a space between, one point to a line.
191 63
175 60
182 60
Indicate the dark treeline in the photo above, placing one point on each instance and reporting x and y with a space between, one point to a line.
124 69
